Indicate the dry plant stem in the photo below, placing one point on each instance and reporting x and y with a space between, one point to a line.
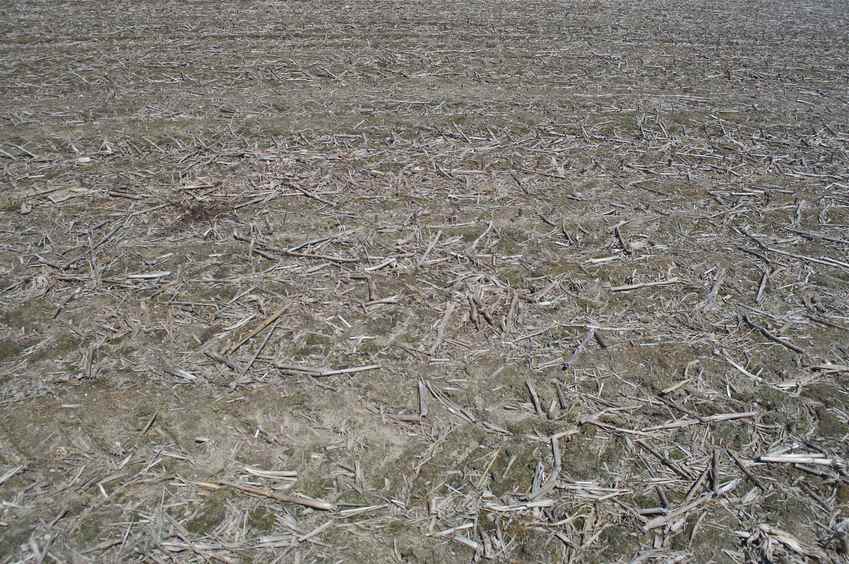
580 348
264 492
323 372
272 319
745 471
630 287
261 347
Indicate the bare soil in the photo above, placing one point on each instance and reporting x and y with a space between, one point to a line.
424 282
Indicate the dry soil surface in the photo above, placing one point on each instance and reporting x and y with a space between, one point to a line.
430 281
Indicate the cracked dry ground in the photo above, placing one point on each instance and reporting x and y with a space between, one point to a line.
432 282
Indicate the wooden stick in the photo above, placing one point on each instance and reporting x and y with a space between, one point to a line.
630 287
745 471
321 372
260 349
274 317
774 338
263 492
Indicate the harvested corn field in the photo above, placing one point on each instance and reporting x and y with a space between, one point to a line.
424 282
